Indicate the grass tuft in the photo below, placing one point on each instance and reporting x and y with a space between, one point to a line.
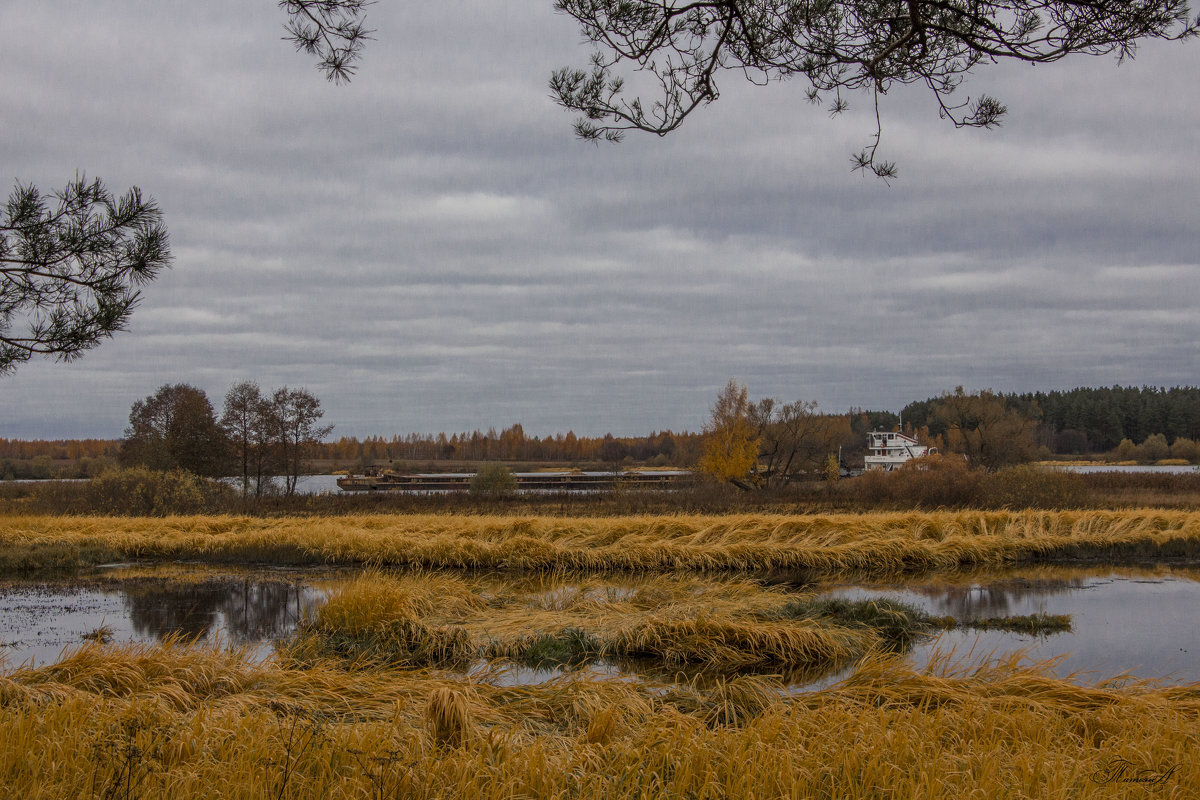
897 624
447 717
569 647
1039 624
373 620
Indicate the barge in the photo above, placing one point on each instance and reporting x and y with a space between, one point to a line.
526 481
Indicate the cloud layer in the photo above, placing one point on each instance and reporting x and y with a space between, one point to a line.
428 248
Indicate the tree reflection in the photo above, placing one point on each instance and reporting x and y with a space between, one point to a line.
247 610
974 601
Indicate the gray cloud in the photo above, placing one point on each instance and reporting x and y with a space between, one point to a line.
428 249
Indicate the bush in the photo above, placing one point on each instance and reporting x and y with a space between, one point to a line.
1185 449
1155 448
949 482
493 480
132 491
934 481
1126 451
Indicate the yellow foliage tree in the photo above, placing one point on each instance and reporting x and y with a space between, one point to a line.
730 438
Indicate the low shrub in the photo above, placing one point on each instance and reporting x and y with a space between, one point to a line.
934 481
1035 624
493 480
937 481
569 647
132 491
897 624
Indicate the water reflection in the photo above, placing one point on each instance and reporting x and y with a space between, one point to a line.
1000 599
1127 619
246 610
1140 619
241 608
646 671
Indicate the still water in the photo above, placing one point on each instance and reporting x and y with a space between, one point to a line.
1141 620
38 619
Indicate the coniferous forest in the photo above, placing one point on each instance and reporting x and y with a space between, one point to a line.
1093 420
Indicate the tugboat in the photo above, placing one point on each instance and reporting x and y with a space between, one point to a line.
888 450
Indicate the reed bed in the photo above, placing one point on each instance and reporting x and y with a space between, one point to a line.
420 619
878 542
723 626
188 723
378 695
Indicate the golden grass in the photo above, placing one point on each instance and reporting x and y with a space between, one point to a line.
182 721
840 542
191 723
374 620
428 619
448 717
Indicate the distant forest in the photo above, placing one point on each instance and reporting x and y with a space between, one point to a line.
1086 420
664 448
1078 421
43 458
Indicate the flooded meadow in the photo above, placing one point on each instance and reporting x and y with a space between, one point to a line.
1023 655
1135 620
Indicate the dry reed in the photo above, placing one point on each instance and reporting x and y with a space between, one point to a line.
880 542
427 619
181 721
373 619
264 730
447 717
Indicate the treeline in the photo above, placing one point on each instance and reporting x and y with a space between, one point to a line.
38 459
665 448
1127 423
1092 420
59 449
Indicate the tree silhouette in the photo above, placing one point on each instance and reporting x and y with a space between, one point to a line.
70 267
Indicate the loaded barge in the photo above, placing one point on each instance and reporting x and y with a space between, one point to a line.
526 481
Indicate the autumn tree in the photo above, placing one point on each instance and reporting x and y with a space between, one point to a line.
255 431
613 451
730 448
175 428
985 429
493 480
1155 448
1185 449
70 267
794 439
297 414
238 421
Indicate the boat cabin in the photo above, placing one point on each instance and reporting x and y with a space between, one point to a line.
888 450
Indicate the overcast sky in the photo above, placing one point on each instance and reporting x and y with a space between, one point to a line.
429 249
